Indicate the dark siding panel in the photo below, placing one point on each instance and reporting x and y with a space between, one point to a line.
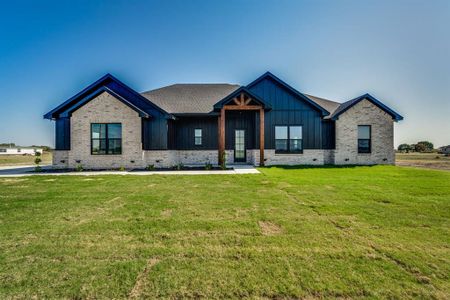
288 109
154 133
181 132
62 134
240 120
328 135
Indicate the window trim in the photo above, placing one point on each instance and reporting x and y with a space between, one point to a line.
369 139
107 139
201 137
288 151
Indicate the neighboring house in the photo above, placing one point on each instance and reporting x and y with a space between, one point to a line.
445 150
109 125
19 151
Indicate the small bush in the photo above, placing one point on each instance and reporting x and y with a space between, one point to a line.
179 166
79 168
223 165
208 166
122 168
150 168
37 160
37 168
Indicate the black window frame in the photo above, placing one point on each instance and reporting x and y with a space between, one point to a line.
200 137
106 139
288 140
365 150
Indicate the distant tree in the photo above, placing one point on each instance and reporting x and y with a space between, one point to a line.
7 145
44 148
419 147
427 146
404 148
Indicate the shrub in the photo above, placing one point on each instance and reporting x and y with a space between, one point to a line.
223 165
37 161
122 168
79 168
178 166
150 168
208 166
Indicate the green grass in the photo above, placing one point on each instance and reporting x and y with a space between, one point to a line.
12 160
375 232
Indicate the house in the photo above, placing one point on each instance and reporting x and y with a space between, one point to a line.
266 122
19 151
445 150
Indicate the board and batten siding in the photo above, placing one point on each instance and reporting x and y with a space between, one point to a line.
154 132
181 133
62 134
288 109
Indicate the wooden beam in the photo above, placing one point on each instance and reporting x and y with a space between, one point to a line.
245 107
242 98
221 135
261 137
236 100
247 101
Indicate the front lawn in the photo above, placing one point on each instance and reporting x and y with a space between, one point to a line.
378 232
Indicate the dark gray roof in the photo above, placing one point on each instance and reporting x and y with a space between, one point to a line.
330 106
190 97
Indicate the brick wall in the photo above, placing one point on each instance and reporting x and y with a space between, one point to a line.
364 113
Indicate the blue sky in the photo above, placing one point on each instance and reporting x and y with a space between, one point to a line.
399 51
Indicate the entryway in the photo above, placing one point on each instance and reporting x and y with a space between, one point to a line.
239 146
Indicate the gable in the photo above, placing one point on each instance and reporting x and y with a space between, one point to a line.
369 98
282 96
114 87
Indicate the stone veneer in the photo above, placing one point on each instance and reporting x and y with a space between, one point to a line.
382 135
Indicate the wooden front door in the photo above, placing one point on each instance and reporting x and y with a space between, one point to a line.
239 146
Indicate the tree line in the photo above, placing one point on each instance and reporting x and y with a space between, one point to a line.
423 146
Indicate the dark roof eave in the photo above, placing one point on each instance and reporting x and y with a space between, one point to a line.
291 89
222 102
106 79
395 116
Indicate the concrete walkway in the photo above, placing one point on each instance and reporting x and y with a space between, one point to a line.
20 171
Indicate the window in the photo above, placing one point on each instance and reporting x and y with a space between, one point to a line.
106 138
2 150
198 137
364 139
288 139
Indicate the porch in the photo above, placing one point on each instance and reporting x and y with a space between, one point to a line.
241 127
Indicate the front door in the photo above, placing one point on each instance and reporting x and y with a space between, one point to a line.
239 145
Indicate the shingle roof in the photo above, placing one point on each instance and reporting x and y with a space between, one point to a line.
190 98
199 98
329 105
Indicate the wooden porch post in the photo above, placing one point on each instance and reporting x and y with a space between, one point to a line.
221 129
261 136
